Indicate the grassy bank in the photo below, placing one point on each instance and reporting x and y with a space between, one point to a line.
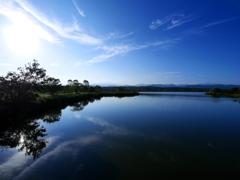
47 103
63 100
223 95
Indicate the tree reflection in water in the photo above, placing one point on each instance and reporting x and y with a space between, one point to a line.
32 141
79 105
52 117
26 133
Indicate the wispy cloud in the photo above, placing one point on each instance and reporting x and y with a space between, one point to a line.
71 31
111 51
198 30
21 19
14 9
78 9
216 23
78 64
179 20
117 35
172 21
159 22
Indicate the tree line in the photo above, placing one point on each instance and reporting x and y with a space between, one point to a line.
26 84
219 91
74 86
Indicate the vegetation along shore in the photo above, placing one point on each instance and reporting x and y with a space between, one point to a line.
217 92
32 90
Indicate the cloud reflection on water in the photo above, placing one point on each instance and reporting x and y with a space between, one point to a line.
17 162
67 151
109 128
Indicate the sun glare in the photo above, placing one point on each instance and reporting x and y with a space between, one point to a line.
21 139
22 40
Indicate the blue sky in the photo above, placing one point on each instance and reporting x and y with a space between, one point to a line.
124 42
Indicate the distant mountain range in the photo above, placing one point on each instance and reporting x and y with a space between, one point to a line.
200 86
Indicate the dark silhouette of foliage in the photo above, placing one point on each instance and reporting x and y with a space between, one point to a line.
52 117
77 87
120 89
51 84
215 90
86 83
98 89
20 87
79 106
24 133
75 82
233 92
70 82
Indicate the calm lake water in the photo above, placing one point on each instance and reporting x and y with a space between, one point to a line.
150 136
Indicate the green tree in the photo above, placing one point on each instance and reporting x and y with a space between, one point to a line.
67 88
75 82
76 87
70 82
51 84
85 88
21 87
86 83
233 91
120 88
215 90
98 89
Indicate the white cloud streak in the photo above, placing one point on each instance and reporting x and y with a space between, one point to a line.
111 51
159 22
78 9
216 23
19 17
117 35
179 20
198 30
72 32
172 21
25 9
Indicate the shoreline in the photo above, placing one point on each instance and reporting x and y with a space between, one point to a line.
48 103
223 95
